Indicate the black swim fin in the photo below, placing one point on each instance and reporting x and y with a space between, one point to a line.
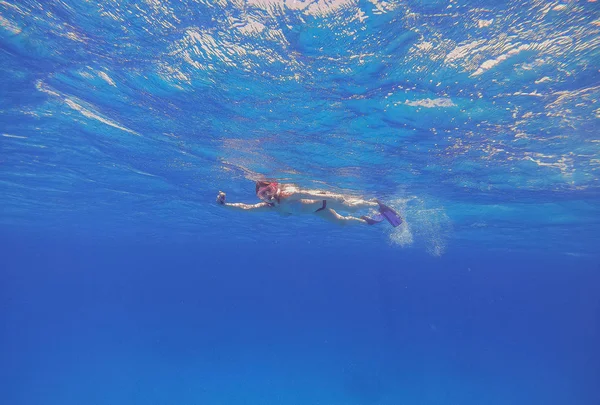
389 214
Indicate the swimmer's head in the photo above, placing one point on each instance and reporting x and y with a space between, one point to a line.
267 190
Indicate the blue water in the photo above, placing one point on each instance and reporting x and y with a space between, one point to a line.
122 282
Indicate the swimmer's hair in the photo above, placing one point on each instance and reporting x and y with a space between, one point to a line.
260 184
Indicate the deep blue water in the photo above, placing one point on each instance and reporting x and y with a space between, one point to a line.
122 282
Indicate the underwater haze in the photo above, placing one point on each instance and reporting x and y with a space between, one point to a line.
122 281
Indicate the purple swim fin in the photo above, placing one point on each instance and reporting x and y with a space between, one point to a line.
375 219
389 214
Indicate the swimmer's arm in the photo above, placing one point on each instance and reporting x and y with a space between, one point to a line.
262 206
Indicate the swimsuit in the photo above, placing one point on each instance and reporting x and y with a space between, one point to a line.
323 207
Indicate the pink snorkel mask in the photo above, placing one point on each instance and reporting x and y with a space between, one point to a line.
268 193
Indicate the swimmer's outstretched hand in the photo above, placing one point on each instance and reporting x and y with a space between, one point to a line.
221 198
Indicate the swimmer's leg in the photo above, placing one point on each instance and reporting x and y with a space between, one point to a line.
351 204
330 215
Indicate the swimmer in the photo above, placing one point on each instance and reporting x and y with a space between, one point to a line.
289 199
